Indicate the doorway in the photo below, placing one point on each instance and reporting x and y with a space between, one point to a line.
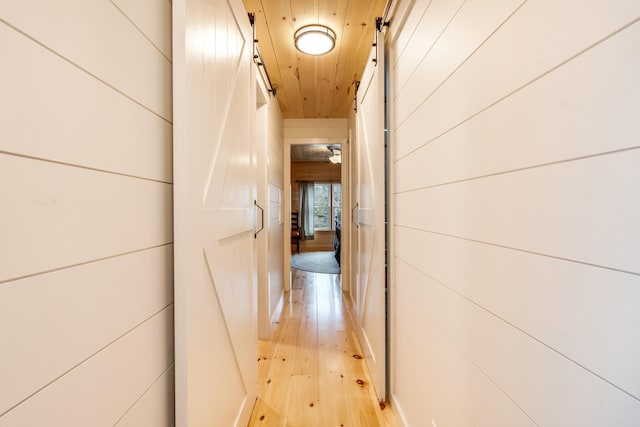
315 172
316 197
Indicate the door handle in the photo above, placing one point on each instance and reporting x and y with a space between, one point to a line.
255 204
355 215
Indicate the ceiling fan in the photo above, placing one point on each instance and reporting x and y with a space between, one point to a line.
336 155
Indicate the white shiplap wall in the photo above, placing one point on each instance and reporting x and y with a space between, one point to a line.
516 129
86 254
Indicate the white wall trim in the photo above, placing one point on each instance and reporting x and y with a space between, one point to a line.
306 140
398 412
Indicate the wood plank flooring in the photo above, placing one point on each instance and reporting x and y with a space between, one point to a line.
311 372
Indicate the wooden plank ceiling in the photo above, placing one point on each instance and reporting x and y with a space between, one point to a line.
315 86
312 152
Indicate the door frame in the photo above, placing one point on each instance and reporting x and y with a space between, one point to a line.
260 128
376 74
346 198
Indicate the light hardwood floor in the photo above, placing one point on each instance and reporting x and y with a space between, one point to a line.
311 372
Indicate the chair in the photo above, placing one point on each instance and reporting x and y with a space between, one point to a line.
337 241
295 231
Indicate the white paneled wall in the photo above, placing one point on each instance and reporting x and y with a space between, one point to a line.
275 179
516 129
86 253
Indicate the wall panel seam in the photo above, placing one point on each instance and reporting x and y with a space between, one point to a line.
497 245
525 168
100 350
73 165
64 58
514 91
66 267
558 352
444 30
140 31
171 365
464 61
400 53
454 344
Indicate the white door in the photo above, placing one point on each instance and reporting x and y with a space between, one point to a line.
370 295
215 268
262 242
354 233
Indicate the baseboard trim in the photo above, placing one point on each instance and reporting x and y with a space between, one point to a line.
275 315
397 410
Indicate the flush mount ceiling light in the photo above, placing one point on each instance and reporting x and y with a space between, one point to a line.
315 39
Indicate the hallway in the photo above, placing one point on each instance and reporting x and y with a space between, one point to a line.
310 372
146 199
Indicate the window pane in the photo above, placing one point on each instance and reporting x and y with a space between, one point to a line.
322 219
337 195
336 215
321 194
321 206
337 203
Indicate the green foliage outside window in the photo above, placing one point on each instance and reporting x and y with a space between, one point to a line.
328 200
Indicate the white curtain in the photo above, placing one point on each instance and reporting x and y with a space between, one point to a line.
306 210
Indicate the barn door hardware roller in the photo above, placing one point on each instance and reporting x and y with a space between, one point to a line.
380 24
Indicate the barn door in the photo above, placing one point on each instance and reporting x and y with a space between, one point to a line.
215 217
370 295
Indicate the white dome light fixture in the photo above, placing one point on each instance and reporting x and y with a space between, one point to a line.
336 155
315 39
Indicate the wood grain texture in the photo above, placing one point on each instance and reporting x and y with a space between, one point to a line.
322 241
311 171
314 171
311 370
308 86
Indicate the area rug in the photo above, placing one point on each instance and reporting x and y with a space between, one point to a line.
316 262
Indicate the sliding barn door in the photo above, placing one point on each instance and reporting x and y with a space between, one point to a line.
215 269
370 295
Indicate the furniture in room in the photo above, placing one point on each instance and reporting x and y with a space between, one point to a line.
295 231
336 241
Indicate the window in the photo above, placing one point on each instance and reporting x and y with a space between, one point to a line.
327 203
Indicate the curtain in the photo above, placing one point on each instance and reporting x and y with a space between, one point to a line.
306 210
